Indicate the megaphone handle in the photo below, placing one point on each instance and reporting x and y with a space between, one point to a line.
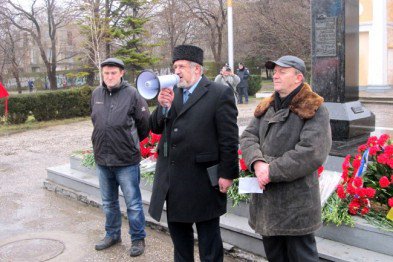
165 111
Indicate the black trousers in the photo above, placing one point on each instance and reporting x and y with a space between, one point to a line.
291 248
209 240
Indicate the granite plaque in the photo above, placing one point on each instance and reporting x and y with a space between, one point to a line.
325 36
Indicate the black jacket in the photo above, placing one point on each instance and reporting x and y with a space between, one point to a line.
120 120
243 75
201 133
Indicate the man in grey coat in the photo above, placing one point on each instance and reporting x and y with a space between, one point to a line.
284 144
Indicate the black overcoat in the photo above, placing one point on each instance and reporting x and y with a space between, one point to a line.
201 133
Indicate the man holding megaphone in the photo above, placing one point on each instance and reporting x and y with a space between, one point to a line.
197 156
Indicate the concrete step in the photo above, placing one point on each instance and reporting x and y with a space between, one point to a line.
376 100
235 230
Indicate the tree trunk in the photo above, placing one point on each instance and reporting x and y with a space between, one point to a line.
15 73
107 38
90 77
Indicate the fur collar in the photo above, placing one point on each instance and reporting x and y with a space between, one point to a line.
304 104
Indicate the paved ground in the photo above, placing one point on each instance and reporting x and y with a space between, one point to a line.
27 211
44 222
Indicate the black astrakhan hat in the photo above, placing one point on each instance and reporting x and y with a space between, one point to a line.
188 52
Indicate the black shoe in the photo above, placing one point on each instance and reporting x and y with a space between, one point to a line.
107 242
137 247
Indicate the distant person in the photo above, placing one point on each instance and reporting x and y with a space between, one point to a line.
242 88
284 144
228 78
120 118
30 83
200 134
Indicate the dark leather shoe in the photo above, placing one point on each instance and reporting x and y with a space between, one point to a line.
107 242
137 247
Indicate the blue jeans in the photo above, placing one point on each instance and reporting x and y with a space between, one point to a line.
128 178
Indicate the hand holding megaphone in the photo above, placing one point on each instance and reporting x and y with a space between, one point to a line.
165 97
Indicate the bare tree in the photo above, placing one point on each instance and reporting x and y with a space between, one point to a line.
95 28
12 51
173 25
269 29
30 22
212 15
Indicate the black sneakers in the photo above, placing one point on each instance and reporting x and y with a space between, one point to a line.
107 242
137 247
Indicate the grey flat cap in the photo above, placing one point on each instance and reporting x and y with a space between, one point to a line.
113 62
288 61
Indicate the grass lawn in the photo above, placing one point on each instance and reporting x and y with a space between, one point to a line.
31 124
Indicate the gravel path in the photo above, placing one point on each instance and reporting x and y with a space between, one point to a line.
29 211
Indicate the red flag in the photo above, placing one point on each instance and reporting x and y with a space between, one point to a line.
3 91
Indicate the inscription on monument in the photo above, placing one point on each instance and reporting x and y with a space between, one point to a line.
325 36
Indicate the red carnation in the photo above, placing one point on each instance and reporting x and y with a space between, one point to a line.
144 142
373 150
370 192
382 139
350 189
356 162
340 192
384 182
390 163
364 210
154 138
353 207
364 202
391 179
239 152
243 165
358 181
390 202
345 175
372 140
345 164
389 150
383 158
361 192
362 148
145 152
320 170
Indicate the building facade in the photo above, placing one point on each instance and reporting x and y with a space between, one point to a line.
375 44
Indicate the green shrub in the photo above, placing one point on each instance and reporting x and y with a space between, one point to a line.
254 84
49 105
18 108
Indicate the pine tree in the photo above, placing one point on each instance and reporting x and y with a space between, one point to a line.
129 33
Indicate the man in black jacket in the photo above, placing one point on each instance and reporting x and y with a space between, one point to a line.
242 87
199 132
120 118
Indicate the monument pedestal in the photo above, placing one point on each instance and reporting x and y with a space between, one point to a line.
351 125
335 72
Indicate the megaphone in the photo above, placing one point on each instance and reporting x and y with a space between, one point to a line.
149 84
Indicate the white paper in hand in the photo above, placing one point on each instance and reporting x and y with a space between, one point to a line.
249 185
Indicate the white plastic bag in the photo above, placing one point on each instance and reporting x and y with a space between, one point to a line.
148 165
328 182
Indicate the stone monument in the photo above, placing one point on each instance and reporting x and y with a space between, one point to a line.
335 72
